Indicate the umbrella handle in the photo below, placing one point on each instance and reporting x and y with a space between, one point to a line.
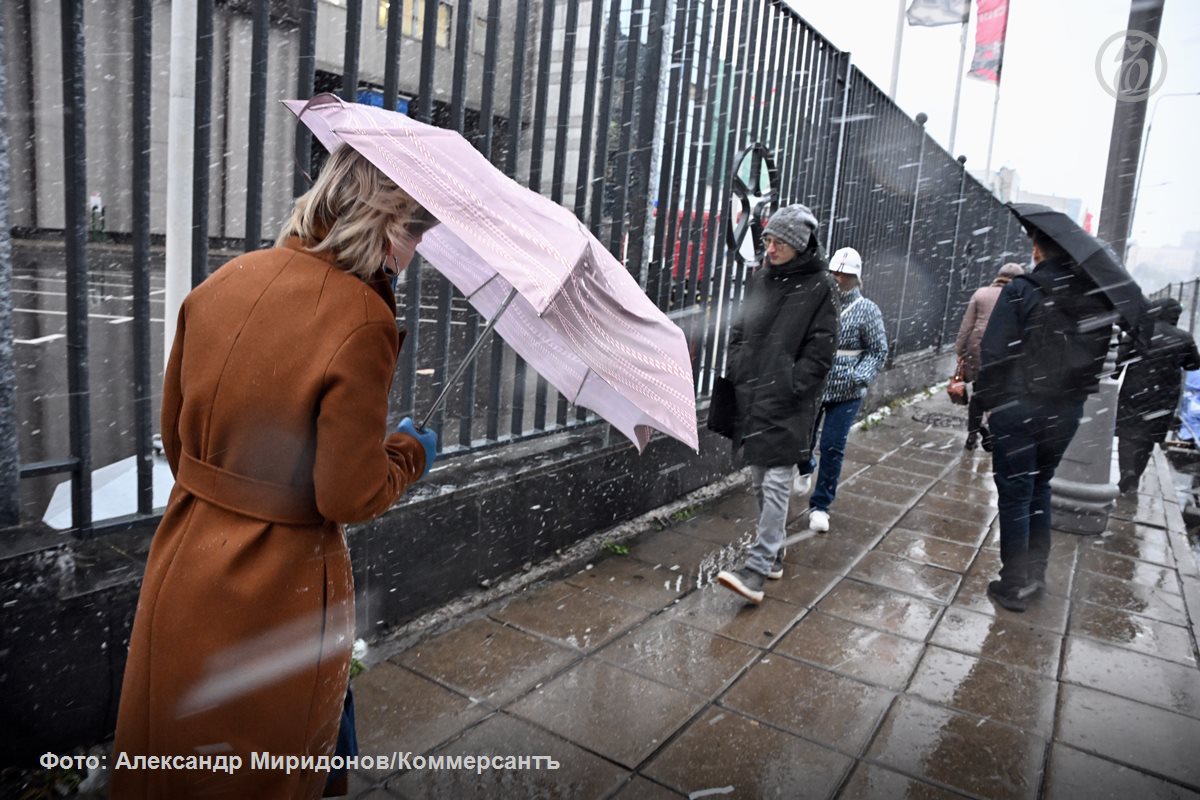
474 351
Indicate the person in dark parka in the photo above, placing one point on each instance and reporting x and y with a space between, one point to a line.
1150 390
781 349
1034 379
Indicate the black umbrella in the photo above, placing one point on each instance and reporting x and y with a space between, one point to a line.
1095 259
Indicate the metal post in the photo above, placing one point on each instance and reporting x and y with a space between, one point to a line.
958 80
142 388
350 50
306 69
391 55
200 136
1137 67
962 183
912 229
258 125
899 39
75 219
10 468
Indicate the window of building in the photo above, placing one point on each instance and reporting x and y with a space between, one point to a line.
445 21
412 19
479 36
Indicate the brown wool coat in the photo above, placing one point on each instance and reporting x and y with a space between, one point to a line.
274 420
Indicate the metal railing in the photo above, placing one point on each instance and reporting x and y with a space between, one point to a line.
672 92
1188 295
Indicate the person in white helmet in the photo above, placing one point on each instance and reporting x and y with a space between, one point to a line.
862 352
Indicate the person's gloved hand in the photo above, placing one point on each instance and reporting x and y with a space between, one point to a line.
428 439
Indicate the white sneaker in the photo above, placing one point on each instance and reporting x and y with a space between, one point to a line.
801 484
818 520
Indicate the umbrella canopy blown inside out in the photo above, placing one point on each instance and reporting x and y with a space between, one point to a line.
565 304
1095 259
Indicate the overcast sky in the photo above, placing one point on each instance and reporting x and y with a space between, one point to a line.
1055 119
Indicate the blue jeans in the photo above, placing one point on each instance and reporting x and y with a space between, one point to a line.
1029 437
833 421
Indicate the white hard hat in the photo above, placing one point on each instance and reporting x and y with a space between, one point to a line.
847 261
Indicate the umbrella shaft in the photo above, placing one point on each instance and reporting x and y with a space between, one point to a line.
474 351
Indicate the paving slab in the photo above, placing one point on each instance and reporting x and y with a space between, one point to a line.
876 668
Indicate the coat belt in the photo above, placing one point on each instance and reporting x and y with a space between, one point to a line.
258 499
854 353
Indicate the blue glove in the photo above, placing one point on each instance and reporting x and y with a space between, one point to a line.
428 439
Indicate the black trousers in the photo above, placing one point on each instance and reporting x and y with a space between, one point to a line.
974 412
1133 454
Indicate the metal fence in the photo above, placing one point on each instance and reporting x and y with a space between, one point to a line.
1188 295
661 123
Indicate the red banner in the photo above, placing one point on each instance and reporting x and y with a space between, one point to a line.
990 28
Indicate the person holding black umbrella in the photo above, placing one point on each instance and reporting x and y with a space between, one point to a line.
1150 390
1041 356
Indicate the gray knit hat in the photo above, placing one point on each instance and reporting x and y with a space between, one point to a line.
793 225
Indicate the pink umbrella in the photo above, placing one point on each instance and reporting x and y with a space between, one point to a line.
551 290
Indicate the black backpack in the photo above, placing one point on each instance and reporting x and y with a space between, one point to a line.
1066 341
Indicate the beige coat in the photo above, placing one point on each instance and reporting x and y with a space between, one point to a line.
974 323
274 420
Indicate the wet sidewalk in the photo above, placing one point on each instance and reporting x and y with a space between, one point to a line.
876 668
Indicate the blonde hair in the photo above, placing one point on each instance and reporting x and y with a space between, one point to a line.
354 212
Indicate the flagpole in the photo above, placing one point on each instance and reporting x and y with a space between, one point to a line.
962 58
896 51
992 137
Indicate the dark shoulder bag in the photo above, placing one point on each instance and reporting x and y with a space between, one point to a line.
722 408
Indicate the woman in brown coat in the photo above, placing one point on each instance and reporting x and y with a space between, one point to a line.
274 420
966 347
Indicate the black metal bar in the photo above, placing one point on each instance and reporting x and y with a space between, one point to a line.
258 124
350 50
558 176
412 328
445 305
656 287
789 127
560 141
486 131
306 70
760 72
710 177
458 82
10 456
791 160
541 102
628 92
640 158
488 90
774 104
689 240
428 60
140 200
589 107
675 273
39 469
599 181
391 55
75 230
520 33
600 173
541 97
202 139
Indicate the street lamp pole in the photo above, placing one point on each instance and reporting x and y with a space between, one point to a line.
1137 188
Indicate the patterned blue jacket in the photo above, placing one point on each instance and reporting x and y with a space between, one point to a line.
862 349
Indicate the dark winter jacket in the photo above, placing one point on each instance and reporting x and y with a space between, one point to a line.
1153 378
780 350
1003 351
